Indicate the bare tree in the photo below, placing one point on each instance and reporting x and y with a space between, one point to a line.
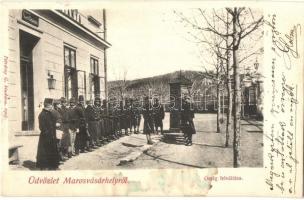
121 86
237 24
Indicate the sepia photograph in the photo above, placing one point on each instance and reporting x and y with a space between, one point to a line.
188 94
152 99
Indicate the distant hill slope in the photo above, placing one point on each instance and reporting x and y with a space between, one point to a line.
158 85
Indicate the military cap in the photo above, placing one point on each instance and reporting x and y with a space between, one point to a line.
56 101
72 100
62 100
48 101
80 98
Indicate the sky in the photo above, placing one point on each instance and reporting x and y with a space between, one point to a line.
150 42
147 43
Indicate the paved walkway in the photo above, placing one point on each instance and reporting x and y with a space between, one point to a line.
168 151
112 155
109 156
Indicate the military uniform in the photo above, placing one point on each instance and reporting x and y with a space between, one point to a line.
111 132
82 137
97 108
148 121
115 114
132 111
119 119
93 116
137 118
57 115
158 116
127 117
104 121
65 142
74 120
47 151
123 119
187 125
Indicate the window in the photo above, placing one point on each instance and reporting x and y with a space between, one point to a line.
94 66
96 81
69 57
70 73
81 76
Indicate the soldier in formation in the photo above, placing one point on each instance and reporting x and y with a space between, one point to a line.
148 119
82 136
187 124
92 123
69 128
158 115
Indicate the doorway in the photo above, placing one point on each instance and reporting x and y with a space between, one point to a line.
27 44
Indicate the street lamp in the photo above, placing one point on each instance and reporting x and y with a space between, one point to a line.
51 81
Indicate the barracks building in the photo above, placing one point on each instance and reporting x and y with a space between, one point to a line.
53 53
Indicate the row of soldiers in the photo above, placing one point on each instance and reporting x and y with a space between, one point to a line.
85 127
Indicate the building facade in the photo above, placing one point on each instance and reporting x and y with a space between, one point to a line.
53 53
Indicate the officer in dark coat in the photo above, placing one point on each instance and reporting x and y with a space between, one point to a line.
111 131
158 115
74 119
97 111
104 121
58 116
65 142
115 120
118 119
47 153
123 118
137 113
116 125
81 136
127 115
187 125
148 119
132 113
92 119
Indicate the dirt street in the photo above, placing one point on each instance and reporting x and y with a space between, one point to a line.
168 151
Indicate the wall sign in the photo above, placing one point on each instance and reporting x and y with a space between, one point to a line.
30 18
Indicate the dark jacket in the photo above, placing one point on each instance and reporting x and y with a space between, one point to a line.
80 109
74 118
148 119
92 113
47 153
187 116
158 113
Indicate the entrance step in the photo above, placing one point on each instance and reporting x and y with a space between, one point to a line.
27 133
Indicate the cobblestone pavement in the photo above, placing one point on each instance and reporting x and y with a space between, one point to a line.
168 151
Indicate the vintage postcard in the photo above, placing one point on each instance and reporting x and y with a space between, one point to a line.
152 98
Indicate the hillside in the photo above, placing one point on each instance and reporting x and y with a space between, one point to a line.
158 85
